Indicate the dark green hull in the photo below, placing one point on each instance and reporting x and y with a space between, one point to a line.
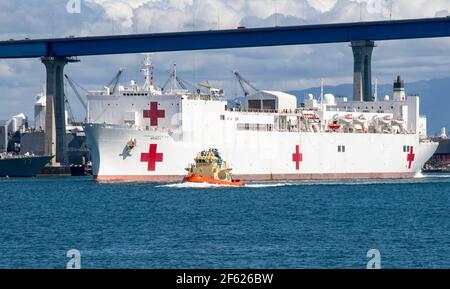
28 166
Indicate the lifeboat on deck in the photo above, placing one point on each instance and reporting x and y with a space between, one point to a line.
398 121
386 120
311 117
334 126
361 119
210 168
347 119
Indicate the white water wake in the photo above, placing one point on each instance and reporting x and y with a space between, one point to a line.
207 185
192 185
419 178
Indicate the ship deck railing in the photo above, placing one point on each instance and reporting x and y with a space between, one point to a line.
297 111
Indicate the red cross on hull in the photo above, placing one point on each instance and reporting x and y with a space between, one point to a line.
152 157
154 113
410 157
297 157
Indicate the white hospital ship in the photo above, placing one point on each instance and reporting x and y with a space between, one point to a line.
145 133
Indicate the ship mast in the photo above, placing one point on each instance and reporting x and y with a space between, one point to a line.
147 70
174 77
321 91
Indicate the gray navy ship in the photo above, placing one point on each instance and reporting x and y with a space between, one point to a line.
22 165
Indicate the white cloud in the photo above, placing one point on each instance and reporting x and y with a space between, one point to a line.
322 5
5 70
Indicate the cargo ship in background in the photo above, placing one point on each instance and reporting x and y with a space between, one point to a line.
147 133
22 165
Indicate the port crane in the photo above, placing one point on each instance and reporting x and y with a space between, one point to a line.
174 80
70 115
115 81
214 92
245 84
73 84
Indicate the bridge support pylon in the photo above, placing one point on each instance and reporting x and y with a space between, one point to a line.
362 83
55 118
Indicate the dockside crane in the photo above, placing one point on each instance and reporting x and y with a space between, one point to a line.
70 115
74 86
115 81
174 80
245 84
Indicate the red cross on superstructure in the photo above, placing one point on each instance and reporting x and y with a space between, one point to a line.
154 113
410 157
152 157
297 157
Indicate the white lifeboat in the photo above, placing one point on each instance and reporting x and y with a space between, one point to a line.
398 121
361 119
347 119
386 120
312 117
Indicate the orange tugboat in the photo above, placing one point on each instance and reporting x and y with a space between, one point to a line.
210 168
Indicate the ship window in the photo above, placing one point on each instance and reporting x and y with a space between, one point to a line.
343 149
404 149
222 117
254 104
339 149
268 104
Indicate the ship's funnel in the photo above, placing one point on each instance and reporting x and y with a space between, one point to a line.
399 89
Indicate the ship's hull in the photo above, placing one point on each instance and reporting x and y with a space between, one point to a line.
256 155
23 166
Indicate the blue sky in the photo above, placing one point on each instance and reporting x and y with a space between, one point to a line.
279 68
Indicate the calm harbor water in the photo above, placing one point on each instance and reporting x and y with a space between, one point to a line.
272 225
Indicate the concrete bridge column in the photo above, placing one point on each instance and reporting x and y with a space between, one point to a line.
55 120
362 83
